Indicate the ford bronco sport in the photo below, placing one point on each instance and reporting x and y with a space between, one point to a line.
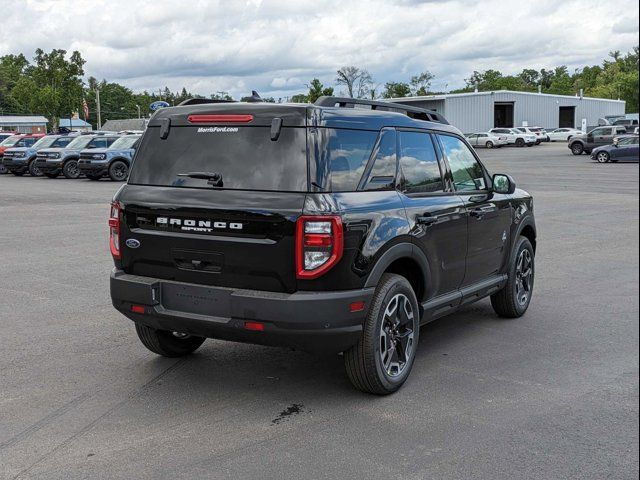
339 226
54 161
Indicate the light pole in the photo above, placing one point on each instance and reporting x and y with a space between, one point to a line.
98 108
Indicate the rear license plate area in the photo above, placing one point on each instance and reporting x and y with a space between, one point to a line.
196 299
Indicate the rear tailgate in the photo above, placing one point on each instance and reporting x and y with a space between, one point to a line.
211 237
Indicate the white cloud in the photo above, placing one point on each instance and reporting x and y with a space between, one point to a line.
277 46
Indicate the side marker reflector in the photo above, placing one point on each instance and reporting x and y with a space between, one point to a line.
356 307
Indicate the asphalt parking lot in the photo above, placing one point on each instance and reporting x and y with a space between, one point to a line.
551 395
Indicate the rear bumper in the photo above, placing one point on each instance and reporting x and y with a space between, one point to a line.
311 321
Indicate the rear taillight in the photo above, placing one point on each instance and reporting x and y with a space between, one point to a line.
319 245
114 230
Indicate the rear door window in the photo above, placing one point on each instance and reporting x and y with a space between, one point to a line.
420 171
245 157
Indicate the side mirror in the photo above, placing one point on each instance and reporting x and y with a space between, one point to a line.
504 184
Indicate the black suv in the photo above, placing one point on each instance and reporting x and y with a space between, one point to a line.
340 226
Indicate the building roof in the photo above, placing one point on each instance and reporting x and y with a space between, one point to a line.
75 122
125 124
23 120
444 96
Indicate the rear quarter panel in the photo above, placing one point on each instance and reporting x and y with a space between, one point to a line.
373 223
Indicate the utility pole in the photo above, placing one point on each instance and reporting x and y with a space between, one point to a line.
98 109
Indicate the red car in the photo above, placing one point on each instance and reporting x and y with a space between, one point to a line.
17 140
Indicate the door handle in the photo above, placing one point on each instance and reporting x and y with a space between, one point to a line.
426 220
480 212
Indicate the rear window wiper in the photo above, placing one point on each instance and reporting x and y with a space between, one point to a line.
213 178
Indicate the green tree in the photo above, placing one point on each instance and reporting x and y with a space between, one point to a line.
59 83
561 82
420 83
396 90
317 90
12 69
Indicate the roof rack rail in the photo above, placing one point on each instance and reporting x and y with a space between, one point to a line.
412 112
201 101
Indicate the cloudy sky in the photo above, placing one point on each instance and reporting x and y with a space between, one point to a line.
277 46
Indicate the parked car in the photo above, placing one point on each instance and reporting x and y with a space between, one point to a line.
21 160
624 147
8 142
54 161
113 162
536 131
629 123
597 137
486 140
563 134
515 137
318 226
15 157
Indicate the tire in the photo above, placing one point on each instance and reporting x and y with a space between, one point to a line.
577 148
118 171
489 144
95 178
3 169
34 171
603 157
371 370
70 169
519 142
167 344
537 142
514 299
51 175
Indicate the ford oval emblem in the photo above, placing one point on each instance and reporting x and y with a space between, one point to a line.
158 105
132 243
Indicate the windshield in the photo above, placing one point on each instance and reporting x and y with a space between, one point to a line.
245 157
124 142
44 142
80 142
11 141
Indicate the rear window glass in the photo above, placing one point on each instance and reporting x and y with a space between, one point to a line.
245 157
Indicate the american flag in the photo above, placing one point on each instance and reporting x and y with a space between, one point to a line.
85 108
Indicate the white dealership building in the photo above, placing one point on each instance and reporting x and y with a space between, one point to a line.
481 111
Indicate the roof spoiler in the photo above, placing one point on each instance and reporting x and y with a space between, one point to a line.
412 112
201 101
